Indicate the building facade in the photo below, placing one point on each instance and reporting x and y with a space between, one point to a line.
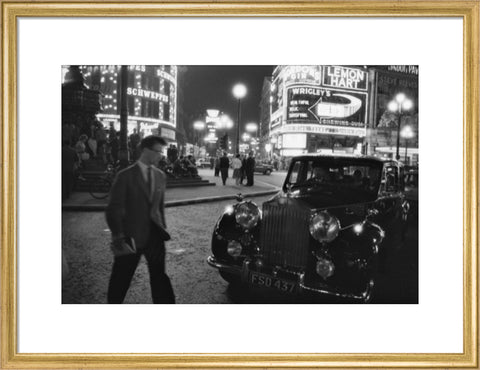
151 97
340 109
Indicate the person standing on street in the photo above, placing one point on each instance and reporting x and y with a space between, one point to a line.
224 164
250 167
217 167
237 167
243 169
135 215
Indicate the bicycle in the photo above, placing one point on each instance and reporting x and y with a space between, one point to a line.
100 188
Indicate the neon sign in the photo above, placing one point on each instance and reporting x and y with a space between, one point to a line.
345 77
166 76
302 74
147 94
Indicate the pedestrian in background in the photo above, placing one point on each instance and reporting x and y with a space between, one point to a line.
101 138
114 147
237 168
134 139
217 167
80 148
243 169
224 164
135 215
92 146
250 167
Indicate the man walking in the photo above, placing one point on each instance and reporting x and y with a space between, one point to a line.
224 164
250 167
136 218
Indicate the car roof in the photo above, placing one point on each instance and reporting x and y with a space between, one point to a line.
344 156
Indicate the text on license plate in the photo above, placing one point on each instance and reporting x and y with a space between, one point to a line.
271 282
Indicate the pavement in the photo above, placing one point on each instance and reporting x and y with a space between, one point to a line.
83 201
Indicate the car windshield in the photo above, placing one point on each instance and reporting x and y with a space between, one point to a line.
353 180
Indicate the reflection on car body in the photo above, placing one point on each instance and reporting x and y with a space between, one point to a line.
326 232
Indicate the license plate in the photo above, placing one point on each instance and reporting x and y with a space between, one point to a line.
268 281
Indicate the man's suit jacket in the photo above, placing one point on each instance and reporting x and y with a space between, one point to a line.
130 210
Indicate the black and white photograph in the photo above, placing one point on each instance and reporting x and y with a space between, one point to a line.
240 184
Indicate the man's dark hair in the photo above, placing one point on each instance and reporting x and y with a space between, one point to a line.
149 141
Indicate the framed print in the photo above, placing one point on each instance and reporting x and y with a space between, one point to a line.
265 165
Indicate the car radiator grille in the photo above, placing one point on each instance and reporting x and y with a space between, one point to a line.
284 235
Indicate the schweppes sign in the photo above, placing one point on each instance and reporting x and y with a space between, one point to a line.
153 95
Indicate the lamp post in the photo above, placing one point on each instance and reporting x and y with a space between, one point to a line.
406 133
239 91
123 148
198 126
252 127
399 105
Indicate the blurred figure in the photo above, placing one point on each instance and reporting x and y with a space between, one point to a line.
237 168
243 169
224 164
92 146
80 148
101 138
114 146
250 167
217 166
134 142
320 174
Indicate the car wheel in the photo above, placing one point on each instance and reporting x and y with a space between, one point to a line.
230 278
268 172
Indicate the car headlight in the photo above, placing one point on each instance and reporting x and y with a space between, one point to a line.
324 227
247 215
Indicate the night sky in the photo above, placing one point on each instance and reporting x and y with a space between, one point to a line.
210 87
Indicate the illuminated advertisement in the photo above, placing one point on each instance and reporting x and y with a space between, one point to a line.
345 78
295 141
302 75
306 104
151 94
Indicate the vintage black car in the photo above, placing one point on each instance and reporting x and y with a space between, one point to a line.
326 232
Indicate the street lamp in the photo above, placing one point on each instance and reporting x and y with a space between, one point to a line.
252 127
239 91
198 126
399 105
406 133
246 137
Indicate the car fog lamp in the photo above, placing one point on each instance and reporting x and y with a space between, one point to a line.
324 227
324 268
234 248
247 215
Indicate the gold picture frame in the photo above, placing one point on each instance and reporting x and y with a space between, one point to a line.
467 10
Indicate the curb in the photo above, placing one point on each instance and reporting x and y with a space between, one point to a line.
173 203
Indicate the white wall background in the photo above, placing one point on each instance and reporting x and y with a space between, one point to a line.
434 325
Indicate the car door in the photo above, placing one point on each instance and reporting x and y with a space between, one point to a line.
390 199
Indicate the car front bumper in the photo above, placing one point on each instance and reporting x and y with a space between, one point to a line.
244 271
